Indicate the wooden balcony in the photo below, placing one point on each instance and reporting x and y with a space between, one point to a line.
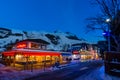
112 63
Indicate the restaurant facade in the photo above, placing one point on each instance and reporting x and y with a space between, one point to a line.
33 52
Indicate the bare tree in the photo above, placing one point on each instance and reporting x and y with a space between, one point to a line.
108 9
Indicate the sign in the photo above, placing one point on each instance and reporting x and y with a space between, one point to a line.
75 52
22 45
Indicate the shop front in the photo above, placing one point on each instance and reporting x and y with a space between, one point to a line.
23 57
30 53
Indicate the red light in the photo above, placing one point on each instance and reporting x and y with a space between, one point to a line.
75 52
31 53
21 46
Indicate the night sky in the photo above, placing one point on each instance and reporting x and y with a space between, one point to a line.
49 15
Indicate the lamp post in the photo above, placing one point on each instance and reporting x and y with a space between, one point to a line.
108 21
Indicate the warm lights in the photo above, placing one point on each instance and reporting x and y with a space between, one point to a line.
21 46
18 57
75 56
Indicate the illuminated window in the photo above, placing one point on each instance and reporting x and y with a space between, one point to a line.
35 46
43 47
19 57
48 57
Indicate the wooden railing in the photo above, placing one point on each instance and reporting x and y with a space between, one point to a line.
112 63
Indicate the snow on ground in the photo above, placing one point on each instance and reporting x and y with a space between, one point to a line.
8 73
1 65
98 74
104 76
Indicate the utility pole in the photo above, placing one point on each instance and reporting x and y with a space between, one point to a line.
108 21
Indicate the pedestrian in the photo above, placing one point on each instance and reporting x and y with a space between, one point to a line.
56 65
66 59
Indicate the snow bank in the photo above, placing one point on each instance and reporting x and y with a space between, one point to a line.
1 65
98 74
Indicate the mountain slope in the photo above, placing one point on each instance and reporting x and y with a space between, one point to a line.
57 40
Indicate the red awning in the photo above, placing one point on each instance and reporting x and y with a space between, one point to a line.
8 53
29 53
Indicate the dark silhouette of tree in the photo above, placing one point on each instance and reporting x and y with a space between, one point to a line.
110 9
26 34
54 39
17 40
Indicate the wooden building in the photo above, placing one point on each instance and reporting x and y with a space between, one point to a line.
31 52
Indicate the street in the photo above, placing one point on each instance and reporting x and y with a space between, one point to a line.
70 72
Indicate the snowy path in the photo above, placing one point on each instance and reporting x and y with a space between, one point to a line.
98 74
8 73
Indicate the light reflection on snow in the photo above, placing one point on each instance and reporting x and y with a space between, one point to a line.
8 73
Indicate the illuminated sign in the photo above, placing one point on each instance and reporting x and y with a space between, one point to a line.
75 52
23 45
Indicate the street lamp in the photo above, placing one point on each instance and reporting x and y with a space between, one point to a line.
108 21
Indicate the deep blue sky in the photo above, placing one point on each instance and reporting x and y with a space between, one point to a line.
48 15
